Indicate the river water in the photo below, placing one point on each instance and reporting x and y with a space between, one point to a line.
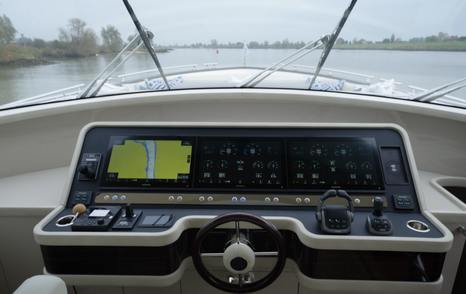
419 68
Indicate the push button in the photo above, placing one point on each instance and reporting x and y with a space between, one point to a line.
149 220
404 202
163 221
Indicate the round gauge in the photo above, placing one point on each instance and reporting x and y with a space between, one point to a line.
315 164
228 149
208 149
258 164
318 150
366 165
351 165
274 165
271 150
343 150
223 164
252 149
297 150
208 164
299 164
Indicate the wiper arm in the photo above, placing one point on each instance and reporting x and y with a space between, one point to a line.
147 43
109 73
109 69
436 93
306 49
331 41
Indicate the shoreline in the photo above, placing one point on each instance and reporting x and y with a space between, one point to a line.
47 61
339 48
26 62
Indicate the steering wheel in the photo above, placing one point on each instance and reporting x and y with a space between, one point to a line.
239 257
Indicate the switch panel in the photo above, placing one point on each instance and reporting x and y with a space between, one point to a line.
89 166
83 197
403 202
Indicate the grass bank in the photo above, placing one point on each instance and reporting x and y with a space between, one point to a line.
459 45
13 54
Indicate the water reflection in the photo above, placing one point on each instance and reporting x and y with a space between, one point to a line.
424 69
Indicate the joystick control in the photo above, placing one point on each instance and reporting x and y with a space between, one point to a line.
378 207
128 218
377 222
129 212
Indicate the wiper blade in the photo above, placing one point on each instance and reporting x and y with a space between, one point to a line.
306 49
436 93
109 69
332 40
109 73
145 38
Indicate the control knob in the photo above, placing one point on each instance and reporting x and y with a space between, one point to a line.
87 171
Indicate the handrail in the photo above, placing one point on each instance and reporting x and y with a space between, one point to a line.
194 67
425 96
311 67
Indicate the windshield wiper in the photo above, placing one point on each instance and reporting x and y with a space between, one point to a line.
145 36
103 76
434 94
327 41
306 49
333 37
147 43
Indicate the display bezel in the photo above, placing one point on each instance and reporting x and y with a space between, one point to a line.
245 140
285 186
147 183
368 141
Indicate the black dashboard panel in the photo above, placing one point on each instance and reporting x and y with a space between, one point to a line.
253 163
136 180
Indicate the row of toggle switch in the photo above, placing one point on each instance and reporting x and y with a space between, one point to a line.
223 199
115 197
241 199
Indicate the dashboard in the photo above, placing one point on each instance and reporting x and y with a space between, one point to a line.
150 190
249 167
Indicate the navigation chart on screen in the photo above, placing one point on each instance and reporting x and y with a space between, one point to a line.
151 160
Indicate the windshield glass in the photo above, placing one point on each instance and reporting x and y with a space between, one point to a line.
78 49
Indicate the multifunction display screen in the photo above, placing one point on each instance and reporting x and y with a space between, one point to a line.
338 162
242 163
157 162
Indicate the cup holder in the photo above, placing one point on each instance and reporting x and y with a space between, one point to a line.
418 226
65 221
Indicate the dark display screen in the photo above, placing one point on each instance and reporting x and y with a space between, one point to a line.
338 162
267 163
240 163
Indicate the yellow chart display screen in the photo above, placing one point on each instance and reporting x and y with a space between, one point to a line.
151 160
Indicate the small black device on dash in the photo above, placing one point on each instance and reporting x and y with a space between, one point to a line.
335 219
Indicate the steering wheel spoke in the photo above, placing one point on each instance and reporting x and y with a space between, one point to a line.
239 258
237 231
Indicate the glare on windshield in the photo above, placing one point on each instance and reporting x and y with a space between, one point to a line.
93 48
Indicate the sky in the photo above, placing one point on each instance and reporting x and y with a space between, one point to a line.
189 21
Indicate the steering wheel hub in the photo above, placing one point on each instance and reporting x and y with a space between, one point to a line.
239 258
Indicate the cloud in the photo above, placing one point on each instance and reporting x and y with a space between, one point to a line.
187 21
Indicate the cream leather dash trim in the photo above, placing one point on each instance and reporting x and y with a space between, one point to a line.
309 239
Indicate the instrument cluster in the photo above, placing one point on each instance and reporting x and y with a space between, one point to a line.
240 163
292 163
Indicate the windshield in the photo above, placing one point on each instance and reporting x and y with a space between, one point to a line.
413 50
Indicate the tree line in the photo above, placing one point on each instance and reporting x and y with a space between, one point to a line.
341 42
75 39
